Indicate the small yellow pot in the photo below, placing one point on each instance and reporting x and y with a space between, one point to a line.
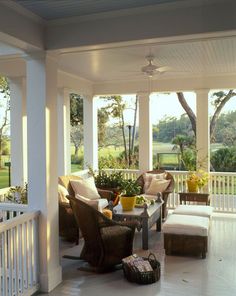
192 186
127 202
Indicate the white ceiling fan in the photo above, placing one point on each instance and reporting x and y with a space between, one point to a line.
151 69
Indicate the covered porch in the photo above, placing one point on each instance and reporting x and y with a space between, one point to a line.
43 69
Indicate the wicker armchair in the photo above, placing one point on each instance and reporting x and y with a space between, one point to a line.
106 242
166 193
68 227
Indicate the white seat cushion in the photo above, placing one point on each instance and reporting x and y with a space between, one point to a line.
98 204
186 224
195 210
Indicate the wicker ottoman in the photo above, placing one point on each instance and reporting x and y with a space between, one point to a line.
186 235
195 210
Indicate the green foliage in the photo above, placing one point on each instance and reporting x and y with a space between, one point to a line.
18 194
105 180
224 160
111 162
225 129
75 159
102 120
76 110
169 127
130 188
4 87
189 159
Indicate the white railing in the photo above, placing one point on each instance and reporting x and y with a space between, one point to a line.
222 187
18 250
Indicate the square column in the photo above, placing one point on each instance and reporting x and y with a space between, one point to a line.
64 153
90 132
202 130
145 132
41 84
18 132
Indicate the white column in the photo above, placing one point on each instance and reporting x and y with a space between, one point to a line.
42 162
202 131
64 154
18 132
145 133
90 133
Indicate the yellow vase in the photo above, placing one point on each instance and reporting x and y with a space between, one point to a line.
192 186
127 202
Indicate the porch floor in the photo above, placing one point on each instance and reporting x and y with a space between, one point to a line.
180 276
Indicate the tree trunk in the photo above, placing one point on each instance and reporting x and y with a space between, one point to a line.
122 123
219 108
76 149
189 111
134 125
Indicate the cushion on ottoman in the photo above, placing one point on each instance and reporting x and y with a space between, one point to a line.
186 224
195 210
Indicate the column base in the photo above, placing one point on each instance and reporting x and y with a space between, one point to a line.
49 281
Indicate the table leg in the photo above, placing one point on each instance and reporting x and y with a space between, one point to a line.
145 233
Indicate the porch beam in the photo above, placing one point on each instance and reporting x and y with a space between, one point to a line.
202 130
41 83
90 132
145 132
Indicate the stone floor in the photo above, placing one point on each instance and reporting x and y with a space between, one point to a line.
180 276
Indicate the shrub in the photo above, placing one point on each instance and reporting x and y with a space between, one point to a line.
224 160
75 159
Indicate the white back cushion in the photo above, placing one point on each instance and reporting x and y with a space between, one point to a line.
147 177
157 185
85 187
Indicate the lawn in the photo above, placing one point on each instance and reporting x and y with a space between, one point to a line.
4 179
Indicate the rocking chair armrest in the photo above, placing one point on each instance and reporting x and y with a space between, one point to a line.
108 194
65 205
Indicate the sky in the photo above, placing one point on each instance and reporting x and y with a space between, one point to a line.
164 104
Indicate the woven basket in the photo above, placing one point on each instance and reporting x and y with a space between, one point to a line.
144 278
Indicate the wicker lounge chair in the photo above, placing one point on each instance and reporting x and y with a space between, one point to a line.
106 242
166 193
67 225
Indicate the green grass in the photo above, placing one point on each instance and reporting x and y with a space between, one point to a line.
4 180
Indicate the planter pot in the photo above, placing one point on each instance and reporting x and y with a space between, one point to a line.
192 186
127 202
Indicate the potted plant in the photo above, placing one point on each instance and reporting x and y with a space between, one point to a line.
130 189
109 181
197 180
18 194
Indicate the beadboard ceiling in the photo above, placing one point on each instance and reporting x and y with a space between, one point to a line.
192 58
55 9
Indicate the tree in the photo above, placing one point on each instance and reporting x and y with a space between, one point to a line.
221 98
4 89
77 121
116 107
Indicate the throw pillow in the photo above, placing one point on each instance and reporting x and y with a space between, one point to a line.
157 185
85 187
62 193
147 177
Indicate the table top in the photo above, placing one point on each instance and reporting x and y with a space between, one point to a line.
137 212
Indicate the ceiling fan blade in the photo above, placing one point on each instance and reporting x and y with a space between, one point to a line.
164 69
